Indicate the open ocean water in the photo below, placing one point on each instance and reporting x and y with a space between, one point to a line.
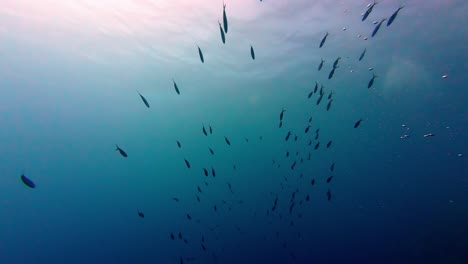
214 171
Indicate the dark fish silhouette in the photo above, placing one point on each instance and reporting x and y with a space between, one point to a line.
329 179
307 198
356 125
307 129
211 151
227 141
175 199
201 54
225 22
321 64
204 130
310 94
189 217
203 247
211 129
328 195
287 153
390 20
312 182
335 64
198 198
362 54
323 40
213 172
205 171
293 165
287 136
141 214
376 29
321 89
252 53
310 119
332 72
28 182
180 235
371 82
330 95
329 143
176 87
282 114
295 138
280 124
172 236
319 99
187 163
332 167
368 11
316 87
181 260
121 151
144 100
317 145
329 104
223 38
178 144
199 189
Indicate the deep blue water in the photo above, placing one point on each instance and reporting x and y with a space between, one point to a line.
70 73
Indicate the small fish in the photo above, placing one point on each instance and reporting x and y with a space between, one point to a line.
307 129
310 94
227 141
392 17
328 195
368 11
316 87
172 236
332 72
187 163
330 95
321 64
203 247
287 136
356 125
329 179
178 144
280 124
335 64
176 87
307 198
211 129
252 53
198 198
204 130
295 138
205 171
329 104
215 208
225 22
282 114
332 167
141 214
429 135
144 100
329 143
291 208
293 165
200 54
321 89
312 182
121 151
175 199
371 82
323 40
317 145
28 182
180 235
213 172
181 260
287 153
376 29
223 38
189 217
310 119
362 54
319 99
199 189
211 151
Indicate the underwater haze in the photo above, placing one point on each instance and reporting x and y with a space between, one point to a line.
185 131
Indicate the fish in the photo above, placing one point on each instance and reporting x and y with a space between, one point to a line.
429 135
376 29
321 89
211 129
393 16
332 72
205 171
252 53
215 208
293 165
310 119
332 167
362 54
181 260
223 38
204 130
121 151
180 235
282 114
329 179
307 129
371 82
310 94
144 100
321 64
316 87
213 172
176 87
335 63
227 141
280 124
319 99
317 145
200 53
329 143
198 198
312 182
330 95
189 217
287 136
328 195
175 199
187 163
178 144
172 236
230 188
329 105
211 151
295 138
28 182
141 214
225 22
203 247
287 153
368 11
323 40
199 189
307 198
291 208
356 125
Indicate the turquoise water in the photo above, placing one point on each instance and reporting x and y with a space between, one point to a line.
70 73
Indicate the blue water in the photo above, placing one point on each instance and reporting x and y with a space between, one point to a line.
70 76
